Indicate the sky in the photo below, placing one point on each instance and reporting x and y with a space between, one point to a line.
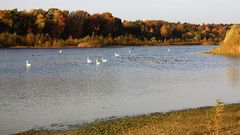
192 11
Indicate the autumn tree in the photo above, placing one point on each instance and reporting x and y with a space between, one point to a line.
56 22
40 19
166 31
95 25
41 28
75 24
24 23
132 28
112 25
7 19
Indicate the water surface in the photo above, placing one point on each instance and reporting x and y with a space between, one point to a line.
61 88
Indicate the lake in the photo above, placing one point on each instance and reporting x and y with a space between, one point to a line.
61 88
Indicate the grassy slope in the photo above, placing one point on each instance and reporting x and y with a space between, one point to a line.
191 121
231 43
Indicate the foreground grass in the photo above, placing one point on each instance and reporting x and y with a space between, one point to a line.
201 121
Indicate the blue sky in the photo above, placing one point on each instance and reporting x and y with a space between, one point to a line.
193 11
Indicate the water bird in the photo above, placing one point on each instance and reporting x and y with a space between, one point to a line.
104 60
168 50
60 51
129 51
88 60
116 55
28 64
97 62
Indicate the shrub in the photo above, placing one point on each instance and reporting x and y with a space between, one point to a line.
216 122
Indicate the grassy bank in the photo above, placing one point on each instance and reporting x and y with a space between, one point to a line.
207 120
231 43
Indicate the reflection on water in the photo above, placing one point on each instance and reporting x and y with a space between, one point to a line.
233 75
233 70
63 88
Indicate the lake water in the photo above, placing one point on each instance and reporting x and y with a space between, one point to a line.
61 88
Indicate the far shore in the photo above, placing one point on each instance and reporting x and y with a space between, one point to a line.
197 121
112 46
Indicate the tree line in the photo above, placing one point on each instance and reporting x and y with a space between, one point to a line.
60 28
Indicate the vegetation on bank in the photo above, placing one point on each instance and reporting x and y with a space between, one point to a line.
45 41
61 28
231 43
221 119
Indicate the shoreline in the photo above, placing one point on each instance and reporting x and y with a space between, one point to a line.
193 121
105 46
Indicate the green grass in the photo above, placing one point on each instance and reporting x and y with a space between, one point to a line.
191 121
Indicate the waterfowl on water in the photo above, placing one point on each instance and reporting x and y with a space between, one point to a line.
28 64
104 60
88 60
97 62
116 55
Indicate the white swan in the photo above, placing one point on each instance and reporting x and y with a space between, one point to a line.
97 62
168 50
60 51
28 64
116 55
88 60
129 51
104 60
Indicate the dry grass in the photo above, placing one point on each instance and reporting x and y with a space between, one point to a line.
231 43
209 122
218 120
